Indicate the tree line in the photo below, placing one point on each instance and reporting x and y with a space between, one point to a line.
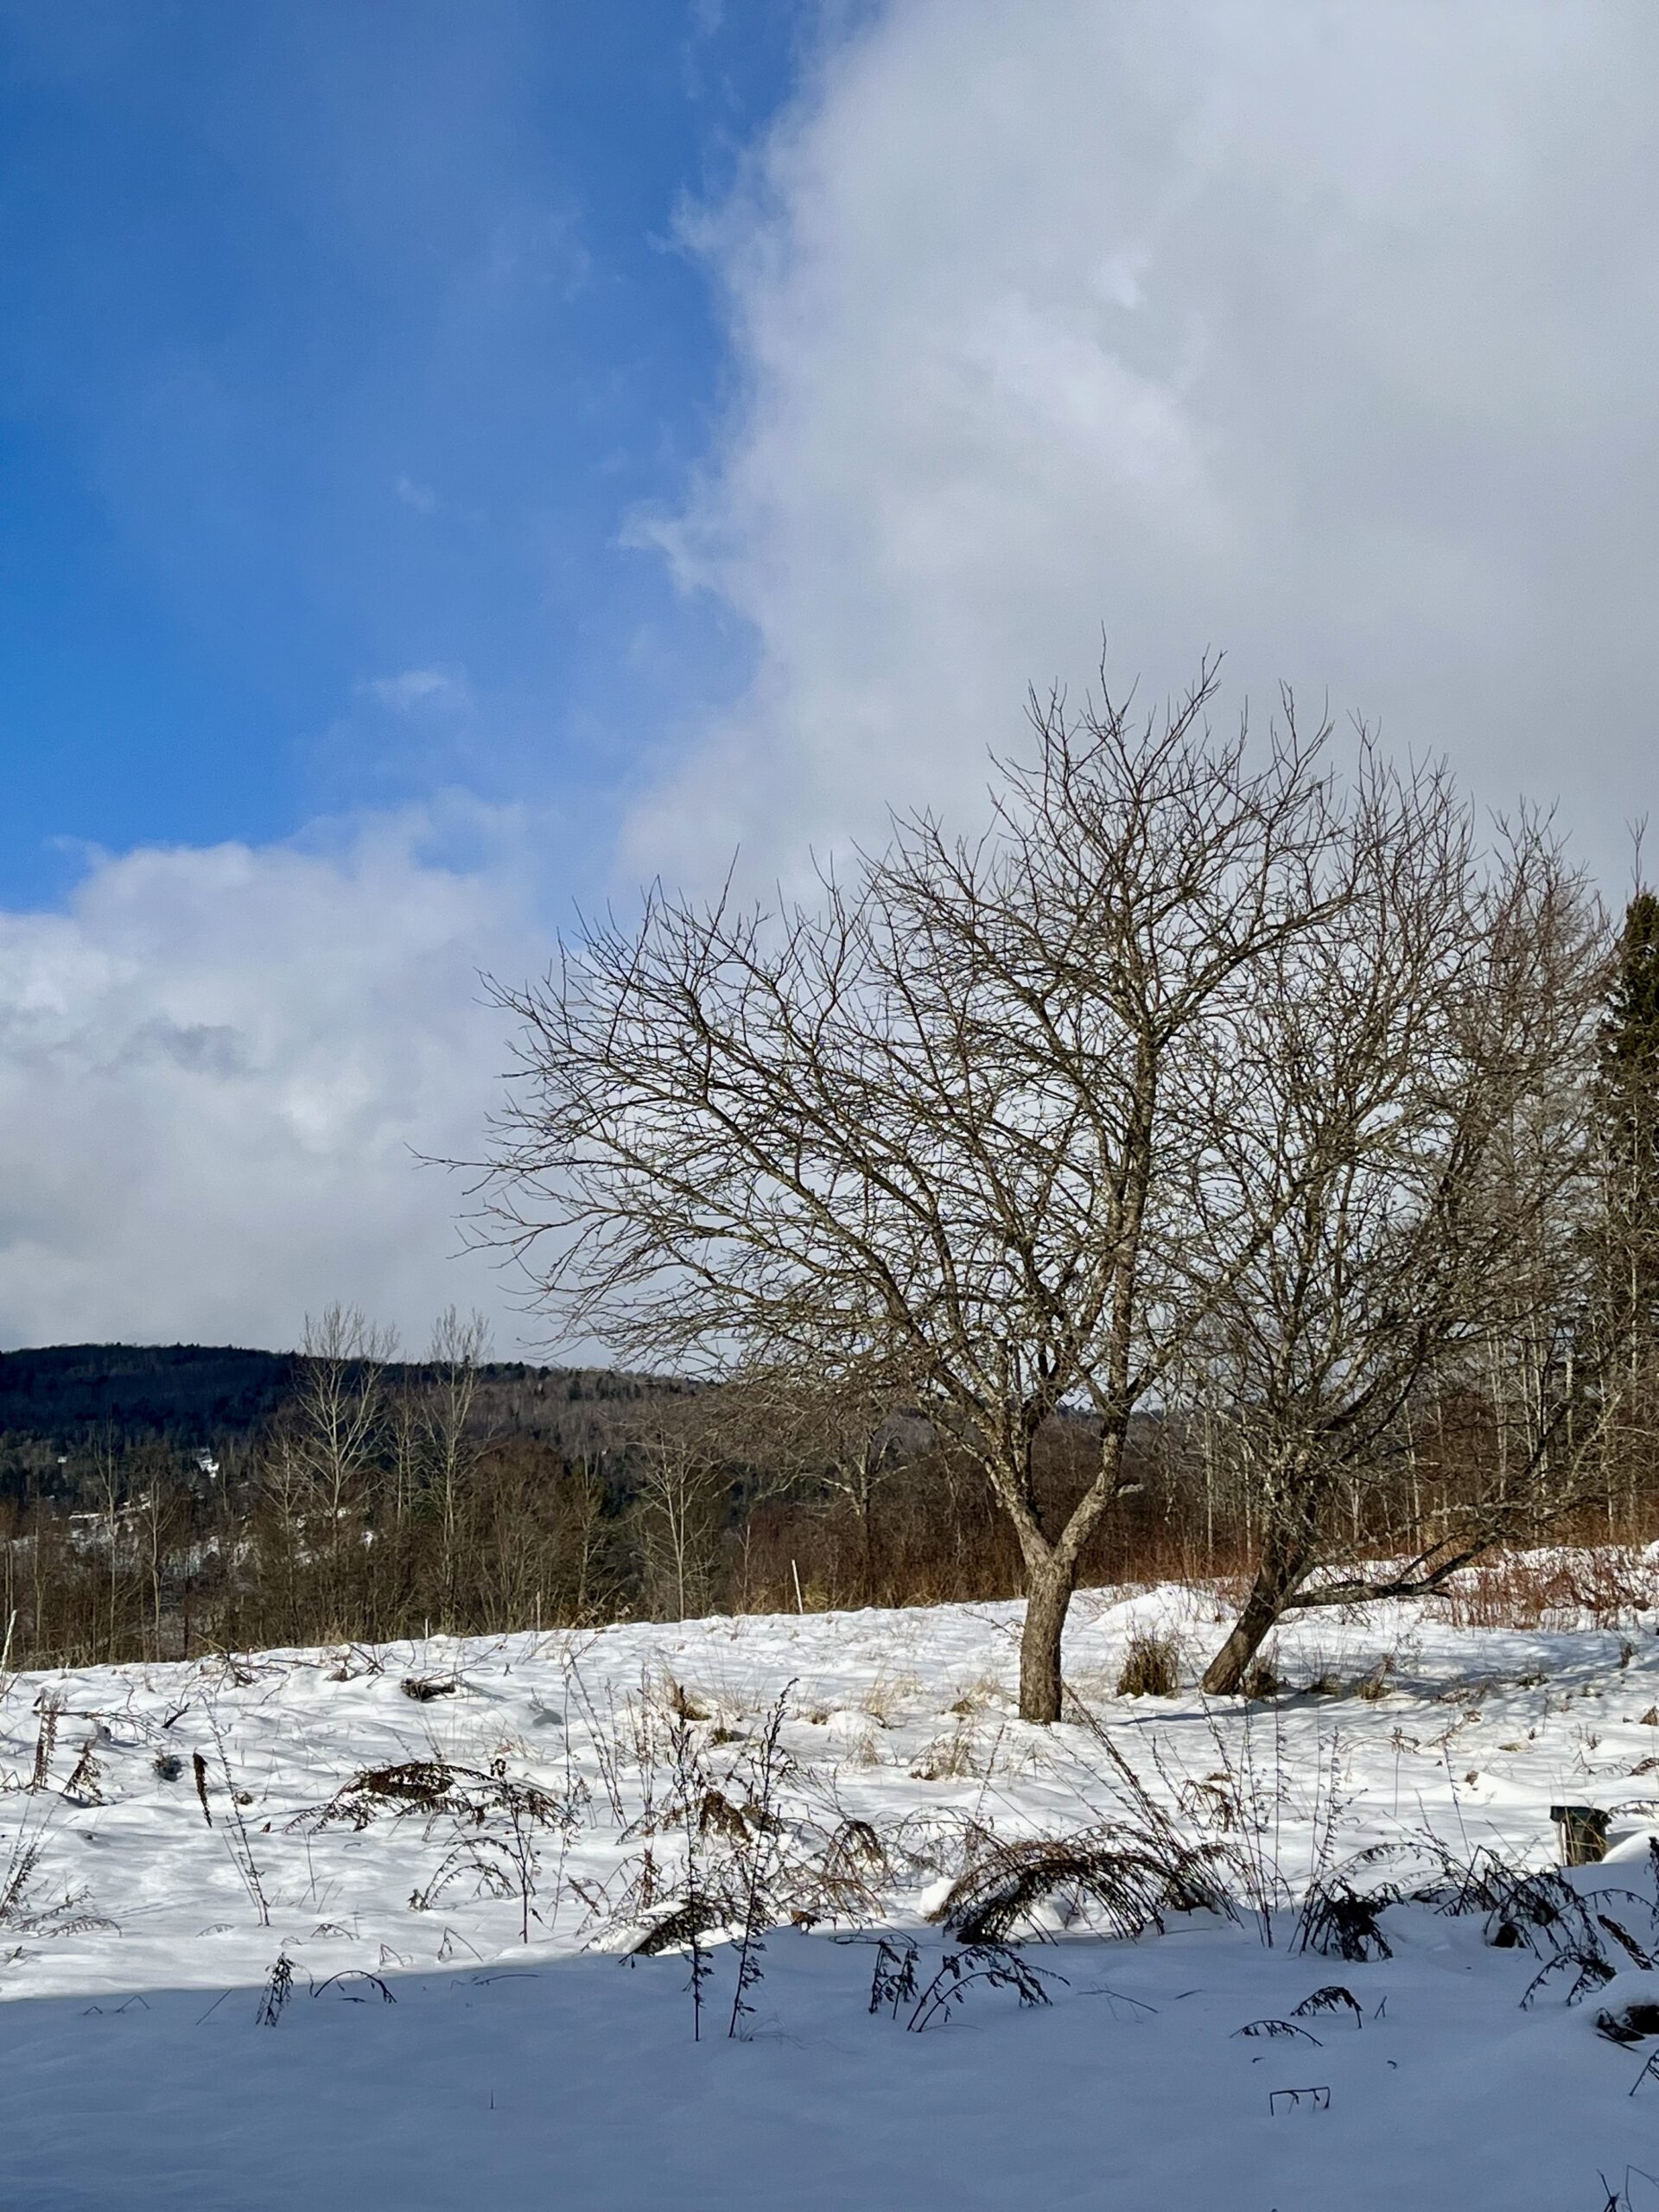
568 1500
373 1497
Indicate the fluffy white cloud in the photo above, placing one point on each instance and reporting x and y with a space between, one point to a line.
1318 331
216 1069
1321 333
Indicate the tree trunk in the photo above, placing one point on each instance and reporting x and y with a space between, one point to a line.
1048 1593
1280 1570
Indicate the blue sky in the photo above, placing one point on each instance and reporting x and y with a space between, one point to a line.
338 343
458 459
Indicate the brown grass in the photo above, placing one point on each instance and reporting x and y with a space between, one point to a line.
1606 1585
1152 1666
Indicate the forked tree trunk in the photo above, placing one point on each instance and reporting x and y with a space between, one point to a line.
1052 1575
1048 1593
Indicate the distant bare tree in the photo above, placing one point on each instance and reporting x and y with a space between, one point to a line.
159 1510
324 1457
448 1448
679 1453
109 1488
948 1130
840 1440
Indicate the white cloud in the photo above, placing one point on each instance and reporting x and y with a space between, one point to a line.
413 688
1321 333
421 497
216 1066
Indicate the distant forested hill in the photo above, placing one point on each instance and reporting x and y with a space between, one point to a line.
60 1400
65 1395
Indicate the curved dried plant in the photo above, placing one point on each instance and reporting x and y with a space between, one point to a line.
1130 1882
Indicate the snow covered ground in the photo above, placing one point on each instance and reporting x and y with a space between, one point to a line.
427 2055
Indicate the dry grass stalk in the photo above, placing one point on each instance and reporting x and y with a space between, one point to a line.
1152 1665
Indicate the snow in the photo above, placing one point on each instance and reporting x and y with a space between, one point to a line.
134 2070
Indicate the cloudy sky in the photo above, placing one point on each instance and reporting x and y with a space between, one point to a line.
460 461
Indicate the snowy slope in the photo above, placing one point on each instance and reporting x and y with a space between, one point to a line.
482 2069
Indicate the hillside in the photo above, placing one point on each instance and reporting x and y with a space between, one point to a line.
65 1395
65 1399
341 1927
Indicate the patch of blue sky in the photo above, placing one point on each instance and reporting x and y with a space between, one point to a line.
339 345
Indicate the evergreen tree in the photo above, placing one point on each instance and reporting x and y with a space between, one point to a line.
1629 1085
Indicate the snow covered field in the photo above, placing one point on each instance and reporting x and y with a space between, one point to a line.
426 2055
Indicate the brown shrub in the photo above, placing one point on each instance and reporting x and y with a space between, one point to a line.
1152 1666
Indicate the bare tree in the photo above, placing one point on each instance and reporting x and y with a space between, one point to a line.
679 1458
450 1450
948 1132
109 1482
585 1583
159 1507
324 1457
1420 1169
846 1437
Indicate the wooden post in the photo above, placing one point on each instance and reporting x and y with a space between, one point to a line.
1581 1833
